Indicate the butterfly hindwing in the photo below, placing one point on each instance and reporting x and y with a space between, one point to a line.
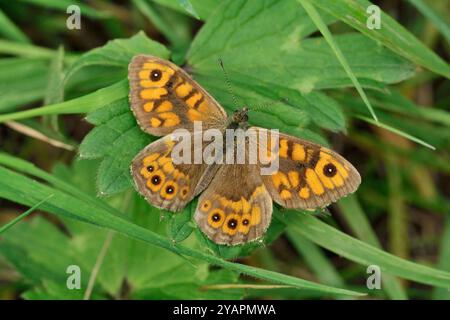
165 184
164 98
236 207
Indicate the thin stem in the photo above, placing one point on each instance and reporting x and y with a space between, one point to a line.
98 264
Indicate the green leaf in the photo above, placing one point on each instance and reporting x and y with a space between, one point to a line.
203 8
180 225
187 5
118 53
391 34
280 55
324 111
117 140
99 140
280 65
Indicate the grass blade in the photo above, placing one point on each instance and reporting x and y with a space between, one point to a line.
396 131
62 5
36 134
361 252
30 169
444 262
9 30
315 259
23 215
434 17
24 190
391 34
351 210
54 92
314 15
83 104
31 51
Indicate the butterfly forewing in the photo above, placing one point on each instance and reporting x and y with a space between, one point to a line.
309 176
164 98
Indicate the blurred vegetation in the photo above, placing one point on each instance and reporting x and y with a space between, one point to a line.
309 68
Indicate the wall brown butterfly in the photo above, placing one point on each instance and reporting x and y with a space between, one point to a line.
235 205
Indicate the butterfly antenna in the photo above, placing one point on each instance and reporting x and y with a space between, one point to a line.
230 88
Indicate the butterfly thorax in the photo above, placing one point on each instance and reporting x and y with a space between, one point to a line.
238 120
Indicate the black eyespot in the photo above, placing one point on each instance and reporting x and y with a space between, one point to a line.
329 170
150 168
156 180
155 75
232 224
216 217
170 189
245 222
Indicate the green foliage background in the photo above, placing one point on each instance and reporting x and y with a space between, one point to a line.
310 68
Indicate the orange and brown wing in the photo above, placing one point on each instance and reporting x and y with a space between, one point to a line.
309 176
164 97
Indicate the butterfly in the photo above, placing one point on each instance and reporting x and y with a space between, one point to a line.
235 203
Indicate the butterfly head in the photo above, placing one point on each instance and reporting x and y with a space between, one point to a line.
239 119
